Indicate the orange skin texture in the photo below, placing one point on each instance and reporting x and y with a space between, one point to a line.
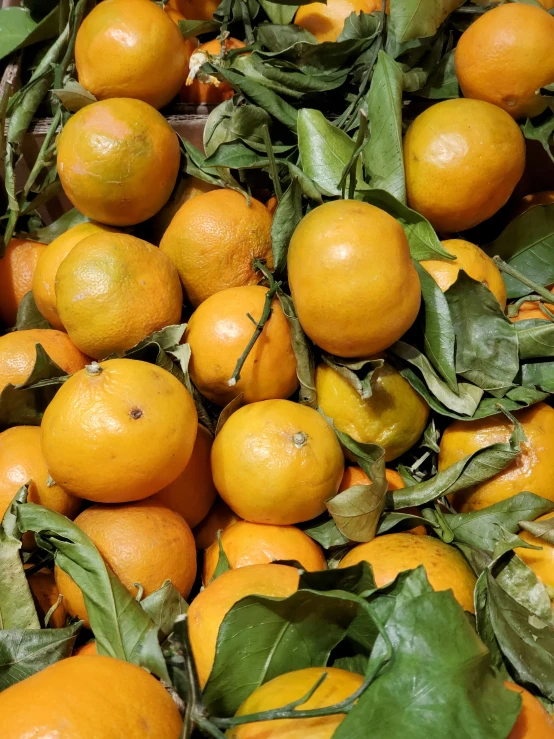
463 158
391 554
118 161
102 697
44 279
121 434
184 190
541 561
218 333
272 204
505 56
277 462
326 22
337 686
349 260
88 648
18 354
113 290
197 10
210 93
45 594
531 470
129 50
529 310
219 518
534 721
193 493
208 609
247 543
213 239
475 263
17 268
141 542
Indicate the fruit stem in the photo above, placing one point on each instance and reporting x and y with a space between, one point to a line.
94 368
545 294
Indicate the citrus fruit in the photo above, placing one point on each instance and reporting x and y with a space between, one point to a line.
394 416
44 280
463 159
326 21
219 518
276 462
213 239
505 57
118 161
546 197
88 648
391 554
198 10
530 310
17 267
45 595
185 189
541 561
208 609
473 261
348 263
140 707
201 89
247 543
219 331
292 686
534 721
530 471
193 493
129 50
18 353
113 290
143 543
119 431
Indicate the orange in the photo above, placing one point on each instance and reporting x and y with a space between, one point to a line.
203 90
119 431
277 462
198 10
326 22
45 595
272 204
546 197
531 470
118 161
473 261
193 493
129 50
185 189
219 518
219 331
44 280
143 543
391 554
247 543
292 686
88 648
534 721
113 290
541 561
463 159
210 606
89 696
213 239
505 57
17 267
394 416
530 310
348 262
18 354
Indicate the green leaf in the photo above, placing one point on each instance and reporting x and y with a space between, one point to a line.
235 155
290 80
540 374
541 129
152 657
358 372
16 24
28 315
191 29
69 219
164 606
222 560
383 156
411 19
442 83
305 368
541 529
535 339
357 579
73 96
521 583
116 618
279 12
286 218
325 531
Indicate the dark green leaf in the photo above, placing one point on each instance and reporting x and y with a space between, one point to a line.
164 606
412 19
539 374
521 583
192 28
222 560
325 531
402 521
151 656
73 96
289 80
16 24
279 12
47 234
235 155
541 129
541 529
287 217
28 315
535 338
357 579
442 83
305 368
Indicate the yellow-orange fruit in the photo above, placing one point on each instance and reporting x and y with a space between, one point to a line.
534 721
219 518
113 290
140 707
88 648
185 189
208 91
17 268
219 331
276 462
326 21
463 159
45 595
505 57
210 606
198 10
391 554
348 262
247 543
213 239
129 50
119 431
118 161
541 561
530 310
142 543
531 470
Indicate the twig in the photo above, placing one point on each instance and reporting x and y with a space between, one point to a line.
273 171
545 294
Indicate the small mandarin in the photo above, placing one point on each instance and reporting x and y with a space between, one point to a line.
17 268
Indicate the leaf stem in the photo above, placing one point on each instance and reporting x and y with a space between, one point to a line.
545 294
273 171
247 23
